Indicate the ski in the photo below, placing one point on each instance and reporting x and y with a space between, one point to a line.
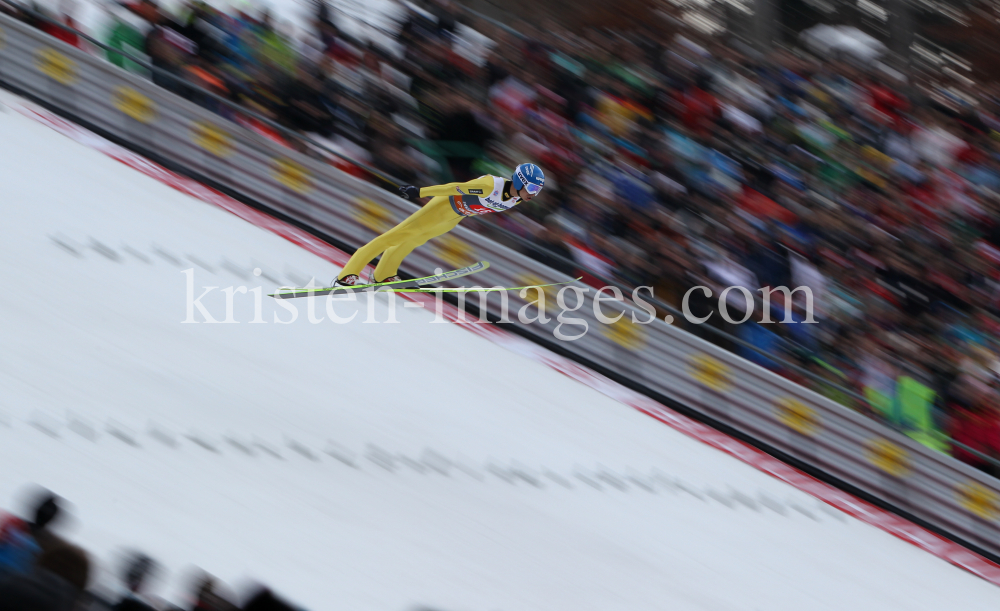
482 289
413 285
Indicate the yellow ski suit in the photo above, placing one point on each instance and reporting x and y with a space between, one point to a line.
450 204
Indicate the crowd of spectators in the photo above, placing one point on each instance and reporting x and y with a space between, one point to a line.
41 571
672 161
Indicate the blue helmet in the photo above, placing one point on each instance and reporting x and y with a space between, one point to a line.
530 175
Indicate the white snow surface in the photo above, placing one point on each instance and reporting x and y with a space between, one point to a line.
90 341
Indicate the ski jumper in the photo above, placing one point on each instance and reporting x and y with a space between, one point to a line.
450 204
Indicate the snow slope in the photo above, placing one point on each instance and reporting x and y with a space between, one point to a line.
366 466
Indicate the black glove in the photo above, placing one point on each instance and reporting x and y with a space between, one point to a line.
409 192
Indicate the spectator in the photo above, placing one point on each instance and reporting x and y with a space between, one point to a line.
137 570
208 597
306 108
55 583
265 600
22 541
169 52
975 423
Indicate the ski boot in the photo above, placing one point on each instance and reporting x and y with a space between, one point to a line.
349 280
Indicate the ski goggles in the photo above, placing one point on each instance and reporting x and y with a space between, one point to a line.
531 187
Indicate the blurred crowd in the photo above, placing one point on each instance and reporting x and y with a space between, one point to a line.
673 161
41 571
